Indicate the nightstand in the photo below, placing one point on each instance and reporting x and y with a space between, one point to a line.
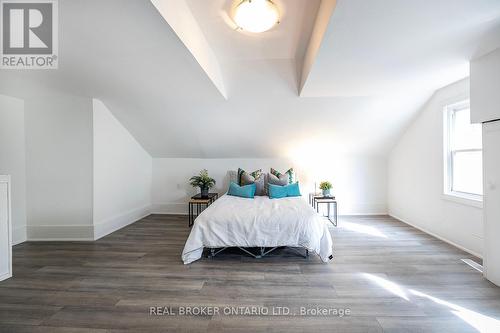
320 199
198 204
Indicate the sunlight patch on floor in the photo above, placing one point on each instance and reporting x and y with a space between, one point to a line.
391 287
477 320
364 229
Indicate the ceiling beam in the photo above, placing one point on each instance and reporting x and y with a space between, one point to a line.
178 15
325 11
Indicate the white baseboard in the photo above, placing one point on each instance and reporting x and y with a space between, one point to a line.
5 276
103 228
381 213
19 235
83 232
60 232
181 208
444 239
174 208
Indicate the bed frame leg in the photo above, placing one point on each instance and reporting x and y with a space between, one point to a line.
261 254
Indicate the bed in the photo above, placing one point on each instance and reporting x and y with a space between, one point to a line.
260 222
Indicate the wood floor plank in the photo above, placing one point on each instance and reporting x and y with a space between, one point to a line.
388 275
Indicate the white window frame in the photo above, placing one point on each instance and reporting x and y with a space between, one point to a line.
458 196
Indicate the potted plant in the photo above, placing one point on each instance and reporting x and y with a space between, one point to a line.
203 181
325 186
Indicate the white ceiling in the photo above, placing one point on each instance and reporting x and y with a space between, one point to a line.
359 95
284 41
395 46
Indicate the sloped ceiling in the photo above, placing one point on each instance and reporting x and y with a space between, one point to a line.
381 47
358 96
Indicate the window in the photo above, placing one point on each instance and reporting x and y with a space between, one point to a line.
463 153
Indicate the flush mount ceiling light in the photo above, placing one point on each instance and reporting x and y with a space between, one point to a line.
256 15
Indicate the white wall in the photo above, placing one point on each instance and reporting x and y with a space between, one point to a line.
491 167
485 81
5 228
359 183
122 174
77 173
13 160
59 167
485 106
415 178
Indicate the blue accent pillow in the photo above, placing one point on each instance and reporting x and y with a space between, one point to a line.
277 191
293 190
246 191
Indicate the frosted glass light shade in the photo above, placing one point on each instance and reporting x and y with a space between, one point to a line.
256 15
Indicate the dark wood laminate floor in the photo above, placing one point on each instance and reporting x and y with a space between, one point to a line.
390 276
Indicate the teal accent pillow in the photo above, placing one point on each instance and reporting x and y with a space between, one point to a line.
277 191
293 190
246 191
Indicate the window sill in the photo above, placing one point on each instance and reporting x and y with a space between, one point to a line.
464 199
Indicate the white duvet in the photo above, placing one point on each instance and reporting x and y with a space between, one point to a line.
259 222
